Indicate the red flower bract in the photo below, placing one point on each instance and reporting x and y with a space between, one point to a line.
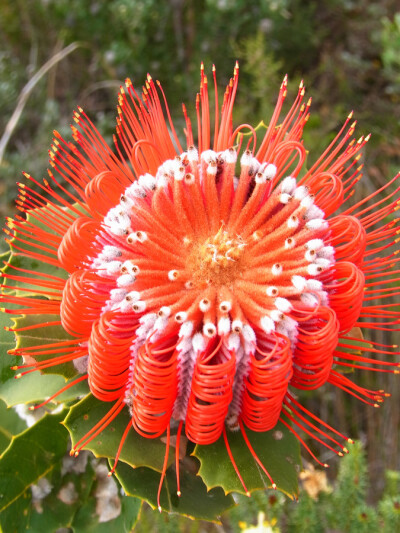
200 289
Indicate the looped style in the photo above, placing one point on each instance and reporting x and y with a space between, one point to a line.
103 192
267 382
83 296
348 237
313 355
109 358
346 293
211 394
328 191
154 387
79 244
201 284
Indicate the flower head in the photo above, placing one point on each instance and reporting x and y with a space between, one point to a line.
204 285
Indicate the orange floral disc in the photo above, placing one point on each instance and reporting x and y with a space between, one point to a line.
205 284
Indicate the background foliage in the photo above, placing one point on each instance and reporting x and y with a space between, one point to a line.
347 51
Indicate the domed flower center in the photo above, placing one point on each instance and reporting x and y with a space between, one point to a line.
217 261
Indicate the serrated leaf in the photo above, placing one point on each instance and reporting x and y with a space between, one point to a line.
195 502
69 491
15 517
277 449
30 456
137 450
87 518
10 425
41 336
35 387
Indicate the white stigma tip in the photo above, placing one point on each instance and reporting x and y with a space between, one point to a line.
293 222
125 280
225 306
246 159
136 236
276 269
164 311
237 326
173 275
314 285
189 178
316 224
288 185
314 244
147 181
300 192
309 299
290 243
209 330
285 198
204 305
267 324
224 326
307 202
314 212
139 306
186 329
198 342
282 304
233 342
270 171
248 333
277 315
180 317
272 291
230 156
113 267
299 283
192 154
314 269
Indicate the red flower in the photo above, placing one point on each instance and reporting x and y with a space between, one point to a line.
200 289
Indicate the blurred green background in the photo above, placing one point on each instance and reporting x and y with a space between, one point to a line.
347 52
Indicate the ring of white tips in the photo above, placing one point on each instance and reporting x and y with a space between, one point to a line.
214 282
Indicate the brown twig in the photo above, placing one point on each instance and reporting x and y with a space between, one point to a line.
27 89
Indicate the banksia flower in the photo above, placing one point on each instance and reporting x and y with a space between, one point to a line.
206 283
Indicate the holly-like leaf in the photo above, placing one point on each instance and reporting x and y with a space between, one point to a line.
34 387
75 494
30 456
10 425
92 516
137 450
277 449
196 500
48 334
31 387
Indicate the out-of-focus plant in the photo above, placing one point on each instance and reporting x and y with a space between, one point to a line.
390 40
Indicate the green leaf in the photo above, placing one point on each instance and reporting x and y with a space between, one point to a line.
10 425
137 450
86 519
7 342
277 449
30 456
196 500
69 491
15 517
34 387
41 336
